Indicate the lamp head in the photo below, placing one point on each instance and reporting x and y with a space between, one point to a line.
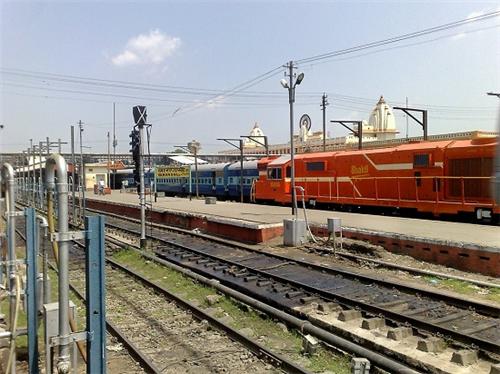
300 77
284 83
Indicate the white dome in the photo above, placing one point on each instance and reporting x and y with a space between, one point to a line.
256 132
382 117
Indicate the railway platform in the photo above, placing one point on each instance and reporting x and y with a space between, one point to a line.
463 246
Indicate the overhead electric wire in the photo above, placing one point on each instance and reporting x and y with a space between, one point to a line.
400 46
137 86
399 38
219 97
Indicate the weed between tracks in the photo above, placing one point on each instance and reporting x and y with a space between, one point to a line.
463 287
267 331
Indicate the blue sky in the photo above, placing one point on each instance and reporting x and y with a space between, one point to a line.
218 45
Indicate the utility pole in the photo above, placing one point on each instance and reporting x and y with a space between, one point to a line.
115 143
82 171
109 159
324 104
73 161
406 115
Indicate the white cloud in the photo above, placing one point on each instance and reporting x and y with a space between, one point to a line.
458 36
147 49
475 14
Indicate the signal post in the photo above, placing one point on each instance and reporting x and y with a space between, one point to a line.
137 143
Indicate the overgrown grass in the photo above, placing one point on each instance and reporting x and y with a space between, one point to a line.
465 288
287 342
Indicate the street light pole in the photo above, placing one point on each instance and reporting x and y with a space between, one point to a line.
291 99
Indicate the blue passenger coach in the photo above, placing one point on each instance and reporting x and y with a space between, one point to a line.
250 174
173 180
221 180
211 179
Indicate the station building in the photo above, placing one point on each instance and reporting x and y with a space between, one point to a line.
379 131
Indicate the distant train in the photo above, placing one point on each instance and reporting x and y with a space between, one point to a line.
440 178
221 180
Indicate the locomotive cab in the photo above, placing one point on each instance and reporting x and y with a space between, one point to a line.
274 180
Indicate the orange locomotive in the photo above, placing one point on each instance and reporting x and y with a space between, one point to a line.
445 177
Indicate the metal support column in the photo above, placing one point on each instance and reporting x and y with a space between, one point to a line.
422 122
358 132
31 296
95 294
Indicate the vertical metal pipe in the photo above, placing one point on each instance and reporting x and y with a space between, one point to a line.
8 187
56 164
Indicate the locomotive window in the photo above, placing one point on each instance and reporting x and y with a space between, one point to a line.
288 171
274 173
315 166
421 160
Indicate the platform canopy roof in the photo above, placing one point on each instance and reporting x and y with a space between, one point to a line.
186 160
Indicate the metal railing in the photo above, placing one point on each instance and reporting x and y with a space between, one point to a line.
465 191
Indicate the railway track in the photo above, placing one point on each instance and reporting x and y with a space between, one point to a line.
166 334
295 286
291 282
